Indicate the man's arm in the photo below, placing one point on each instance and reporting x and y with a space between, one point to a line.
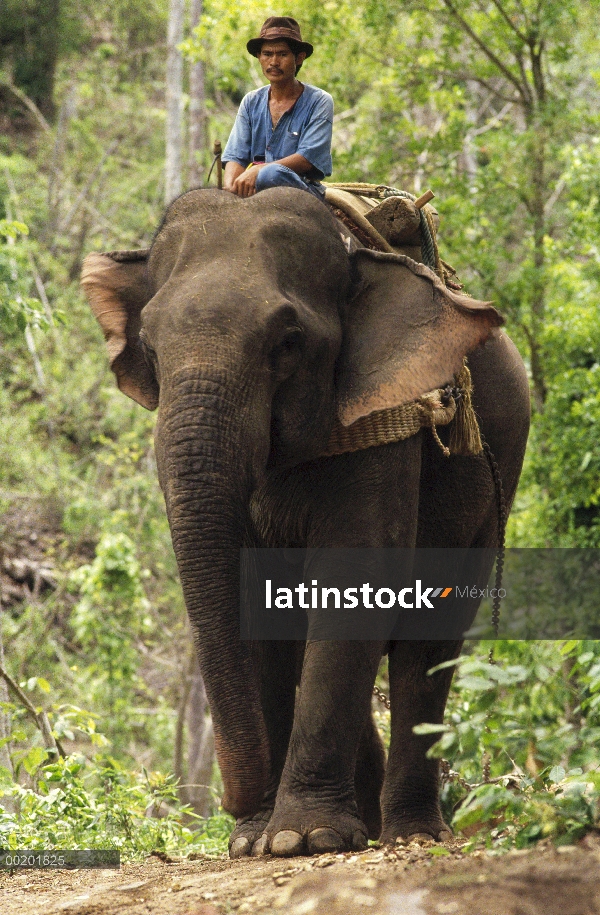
232 171
315 142
238 149
242 181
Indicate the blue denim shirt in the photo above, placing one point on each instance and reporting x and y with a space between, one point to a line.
305 129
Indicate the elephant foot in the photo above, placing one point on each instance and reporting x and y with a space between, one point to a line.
416 829
245 839
306 827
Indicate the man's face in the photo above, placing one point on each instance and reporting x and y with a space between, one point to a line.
278 61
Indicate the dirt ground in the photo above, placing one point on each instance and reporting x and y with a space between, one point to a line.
408 880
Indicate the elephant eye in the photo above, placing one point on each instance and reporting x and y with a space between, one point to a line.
286 354
149 355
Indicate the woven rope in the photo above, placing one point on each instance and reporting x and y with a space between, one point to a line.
398 423
392 425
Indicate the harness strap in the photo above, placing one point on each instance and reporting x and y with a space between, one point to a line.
437 408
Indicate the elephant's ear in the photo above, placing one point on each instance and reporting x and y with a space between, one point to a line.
405 334
116 286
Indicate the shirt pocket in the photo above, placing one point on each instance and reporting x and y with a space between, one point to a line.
289 142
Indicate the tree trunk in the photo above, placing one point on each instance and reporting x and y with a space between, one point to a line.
34 33
5 761
174 102
195 780
538 297
197 129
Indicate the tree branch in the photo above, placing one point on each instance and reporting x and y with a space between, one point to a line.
492 121
65 225
39 718
29 104
482 45
559 188
509 21
528 100
461 74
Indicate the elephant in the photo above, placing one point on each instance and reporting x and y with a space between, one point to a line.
253 328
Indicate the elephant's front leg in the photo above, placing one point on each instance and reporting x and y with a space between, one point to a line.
410 800
367 500
316 808
276 663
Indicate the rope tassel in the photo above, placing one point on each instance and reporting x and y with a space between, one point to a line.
465 437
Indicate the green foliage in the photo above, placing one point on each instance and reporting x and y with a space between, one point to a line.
100 804
17 308
532 719
559 806
107 621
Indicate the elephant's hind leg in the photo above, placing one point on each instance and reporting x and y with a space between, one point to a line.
411 791
368 778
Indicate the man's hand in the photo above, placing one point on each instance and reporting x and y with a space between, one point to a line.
245 184
242 181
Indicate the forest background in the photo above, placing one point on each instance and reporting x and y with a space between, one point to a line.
492 103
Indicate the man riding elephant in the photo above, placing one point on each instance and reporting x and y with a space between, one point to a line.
282 132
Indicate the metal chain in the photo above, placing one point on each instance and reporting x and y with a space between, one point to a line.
381 696
501 549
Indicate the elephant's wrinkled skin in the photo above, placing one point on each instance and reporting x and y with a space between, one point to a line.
249 325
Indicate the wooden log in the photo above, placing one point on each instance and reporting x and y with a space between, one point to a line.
398 220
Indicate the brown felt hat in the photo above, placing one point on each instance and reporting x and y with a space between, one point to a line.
277 28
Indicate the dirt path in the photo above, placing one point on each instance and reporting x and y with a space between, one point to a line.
407 881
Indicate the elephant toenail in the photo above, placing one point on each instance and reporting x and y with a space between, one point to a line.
359 841
324 839
287 843
260 847
421 838
239 848
445 835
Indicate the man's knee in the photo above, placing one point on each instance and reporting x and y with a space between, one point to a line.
275 175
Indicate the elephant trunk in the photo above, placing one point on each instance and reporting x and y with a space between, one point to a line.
206 476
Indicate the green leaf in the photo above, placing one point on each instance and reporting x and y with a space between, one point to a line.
556 774
431 728
6 777
444 665
34 759
477 684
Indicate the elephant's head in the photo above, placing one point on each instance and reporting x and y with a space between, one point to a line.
249 326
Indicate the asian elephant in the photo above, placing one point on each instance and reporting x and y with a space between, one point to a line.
250 326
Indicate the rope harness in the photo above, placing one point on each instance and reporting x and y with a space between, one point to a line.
437 408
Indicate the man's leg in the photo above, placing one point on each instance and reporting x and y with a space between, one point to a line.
275 175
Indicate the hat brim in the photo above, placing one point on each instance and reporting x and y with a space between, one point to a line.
255 44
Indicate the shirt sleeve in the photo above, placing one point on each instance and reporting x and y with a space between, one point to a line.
239 145
315 139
